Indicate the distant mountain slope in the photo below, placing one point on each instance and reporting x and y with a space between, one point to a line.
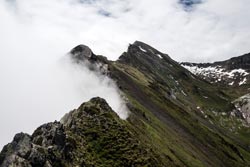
176 119
235 71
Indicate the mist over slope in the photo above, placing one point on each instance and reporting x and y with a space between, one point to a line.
39 87
175 118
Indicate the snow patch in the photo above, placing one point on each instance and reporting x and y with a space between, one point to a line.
183 93
217 73
159 56
244 81
231 83
142 49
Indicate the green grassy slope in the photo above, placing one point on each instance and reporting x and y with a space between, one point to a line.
169 111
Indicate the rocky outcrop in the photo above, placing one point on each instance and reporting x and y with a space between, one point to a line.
92 135
82 54
45 147
243 106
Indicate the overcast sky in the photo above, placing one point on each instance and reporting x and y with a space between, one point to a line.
207 31
36 34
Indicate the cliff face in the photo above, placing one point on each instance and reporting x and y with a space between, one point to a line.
176 119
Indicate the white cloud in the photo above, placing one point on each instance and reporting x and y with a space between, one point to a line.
36 34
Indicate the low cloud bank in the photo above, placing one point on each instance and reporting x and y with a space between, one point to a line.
35 92
92 83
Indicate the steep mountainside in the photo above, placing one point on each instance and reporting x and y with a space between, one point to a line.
232 76
176 119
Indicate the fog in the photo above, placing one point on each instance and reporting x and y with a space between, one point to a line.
41 86
39 83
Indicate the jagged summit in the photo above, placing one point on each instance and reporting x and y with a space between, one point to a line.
139 48
81 53
86 109
148 59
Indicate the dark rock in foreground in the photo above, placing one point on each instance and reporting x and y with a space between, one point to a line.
92 135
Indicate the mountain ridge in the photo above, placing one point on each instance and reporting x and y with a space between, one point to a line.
176 119
231 72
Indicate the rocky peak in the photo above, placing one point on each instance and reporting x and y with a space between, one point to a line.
141 55
144 50
95 107
81 53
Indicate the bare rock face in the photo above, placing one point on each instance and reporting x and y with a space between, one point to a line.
243 106
20 147
81 53
44 148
